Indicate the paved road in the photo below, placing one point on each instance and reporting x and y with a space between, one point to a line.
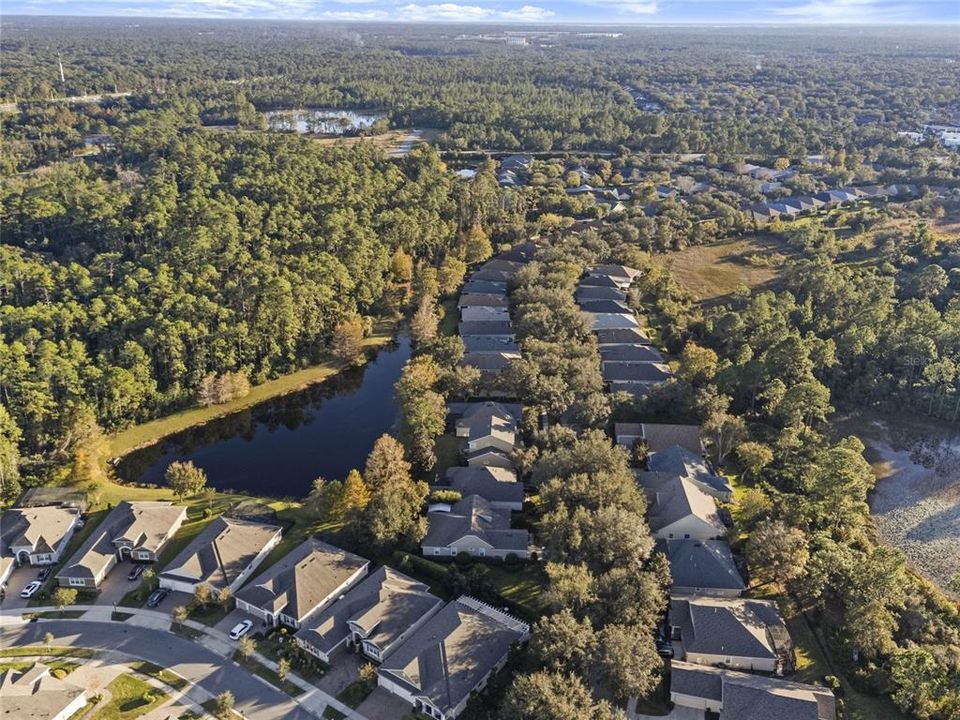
254 699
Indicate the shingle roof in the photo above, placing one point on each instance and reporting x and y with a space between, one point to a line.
486 287
34 694
456 648
621 335
729 627
660 436
303 579
612 321
489 361
634 352
637 372
143 523
604 306
706 564
487 327
489 343
752 697
599 281
41 528
482 300
679 460
491 483
673 498
595 292
385 604
488 419
617 271
221 552
474 516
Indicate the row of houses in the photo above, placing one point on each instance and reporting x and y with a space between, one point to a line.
798 205
628 360
714 636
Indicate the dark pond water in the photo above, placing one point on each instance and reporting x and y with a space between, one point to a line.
279 447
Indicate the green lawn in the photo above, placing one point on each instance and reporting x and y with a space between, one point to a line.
524 587
165 676
447 450
46 652
150 432
267 674
450 322
128 699
58 668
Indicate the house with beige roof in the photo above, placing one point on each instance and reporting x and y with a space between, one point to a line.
225 553
735 633
35 535
34 694
487 425
742 696
131 531
450 657
375 616
305 581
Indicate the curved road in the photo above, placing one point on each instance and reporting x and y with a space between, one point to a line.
255 699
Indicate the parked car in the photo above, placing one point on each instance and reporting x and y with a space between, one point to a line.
156 597
135 573
241 629
44 573
31 589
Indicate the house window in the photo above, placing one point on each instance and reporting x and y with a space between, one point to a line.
143 555
686 536
436 551
76 582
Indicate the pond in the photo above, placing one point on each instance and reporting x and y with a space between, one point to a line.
277 448
322 121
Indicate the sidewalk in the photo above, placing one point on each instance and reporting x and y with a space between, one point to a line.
313 700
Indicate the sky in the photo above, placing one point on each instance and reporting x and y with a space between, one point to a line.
642 12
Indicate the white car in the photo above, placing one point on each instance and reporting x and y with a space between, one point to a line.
31 589
241 629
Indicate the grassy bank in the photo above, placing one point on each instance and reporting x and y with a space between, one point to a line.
150 432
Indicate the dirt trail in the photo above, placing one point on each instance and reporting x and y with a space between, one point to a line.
916 504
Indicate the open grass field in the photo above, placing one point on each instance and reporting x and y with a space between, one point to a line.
150 432
130 697
712 272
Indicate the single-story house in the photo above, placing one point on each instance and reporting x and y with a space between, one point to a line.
605 306
612 321
501 328
473 526
487 425
622 274
132 530
485 313
35 694
592 292
744 696
640 373
492 275
499 264
679 508
521 252
305 581
633 353
677 460
482 300
450 657
659 436
619 336
485 287
702 567
735 633
489 343
225 553
489 363
376 615
496 485
599 281
35 535
489 457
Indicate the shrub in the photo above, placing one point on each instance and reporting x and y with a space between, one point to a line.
463 560
445 496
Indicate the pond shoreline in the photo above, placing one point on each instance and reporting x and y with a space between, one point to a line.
126 441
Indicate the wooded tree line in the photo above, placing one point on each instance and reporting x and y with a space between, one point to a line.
125 289
774 363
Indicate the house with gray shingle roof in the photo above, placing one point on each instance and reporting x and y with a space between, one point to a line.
612 321
36 535
630 353
305 581
485 287
496 485
132 530
619 374
468 300
473 526
484 313
742 696
678 509
487 425
677 460
617 336
659 436
498 328
702 567
375 615
450 657
593 292
34 694
737 633
489 343
225 553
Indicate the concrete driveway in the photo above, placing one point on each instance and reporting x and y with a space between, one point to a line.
17 581
238 616
255 699
115 585
382 705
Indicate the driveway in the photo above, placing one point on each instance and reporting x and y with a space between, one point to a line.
382 705
255 699
18 579
115 585
344 669
237 616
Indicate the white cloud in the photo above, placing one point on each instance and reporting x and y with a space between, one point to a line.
842 11
443 11
649 8
356 14
527 12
